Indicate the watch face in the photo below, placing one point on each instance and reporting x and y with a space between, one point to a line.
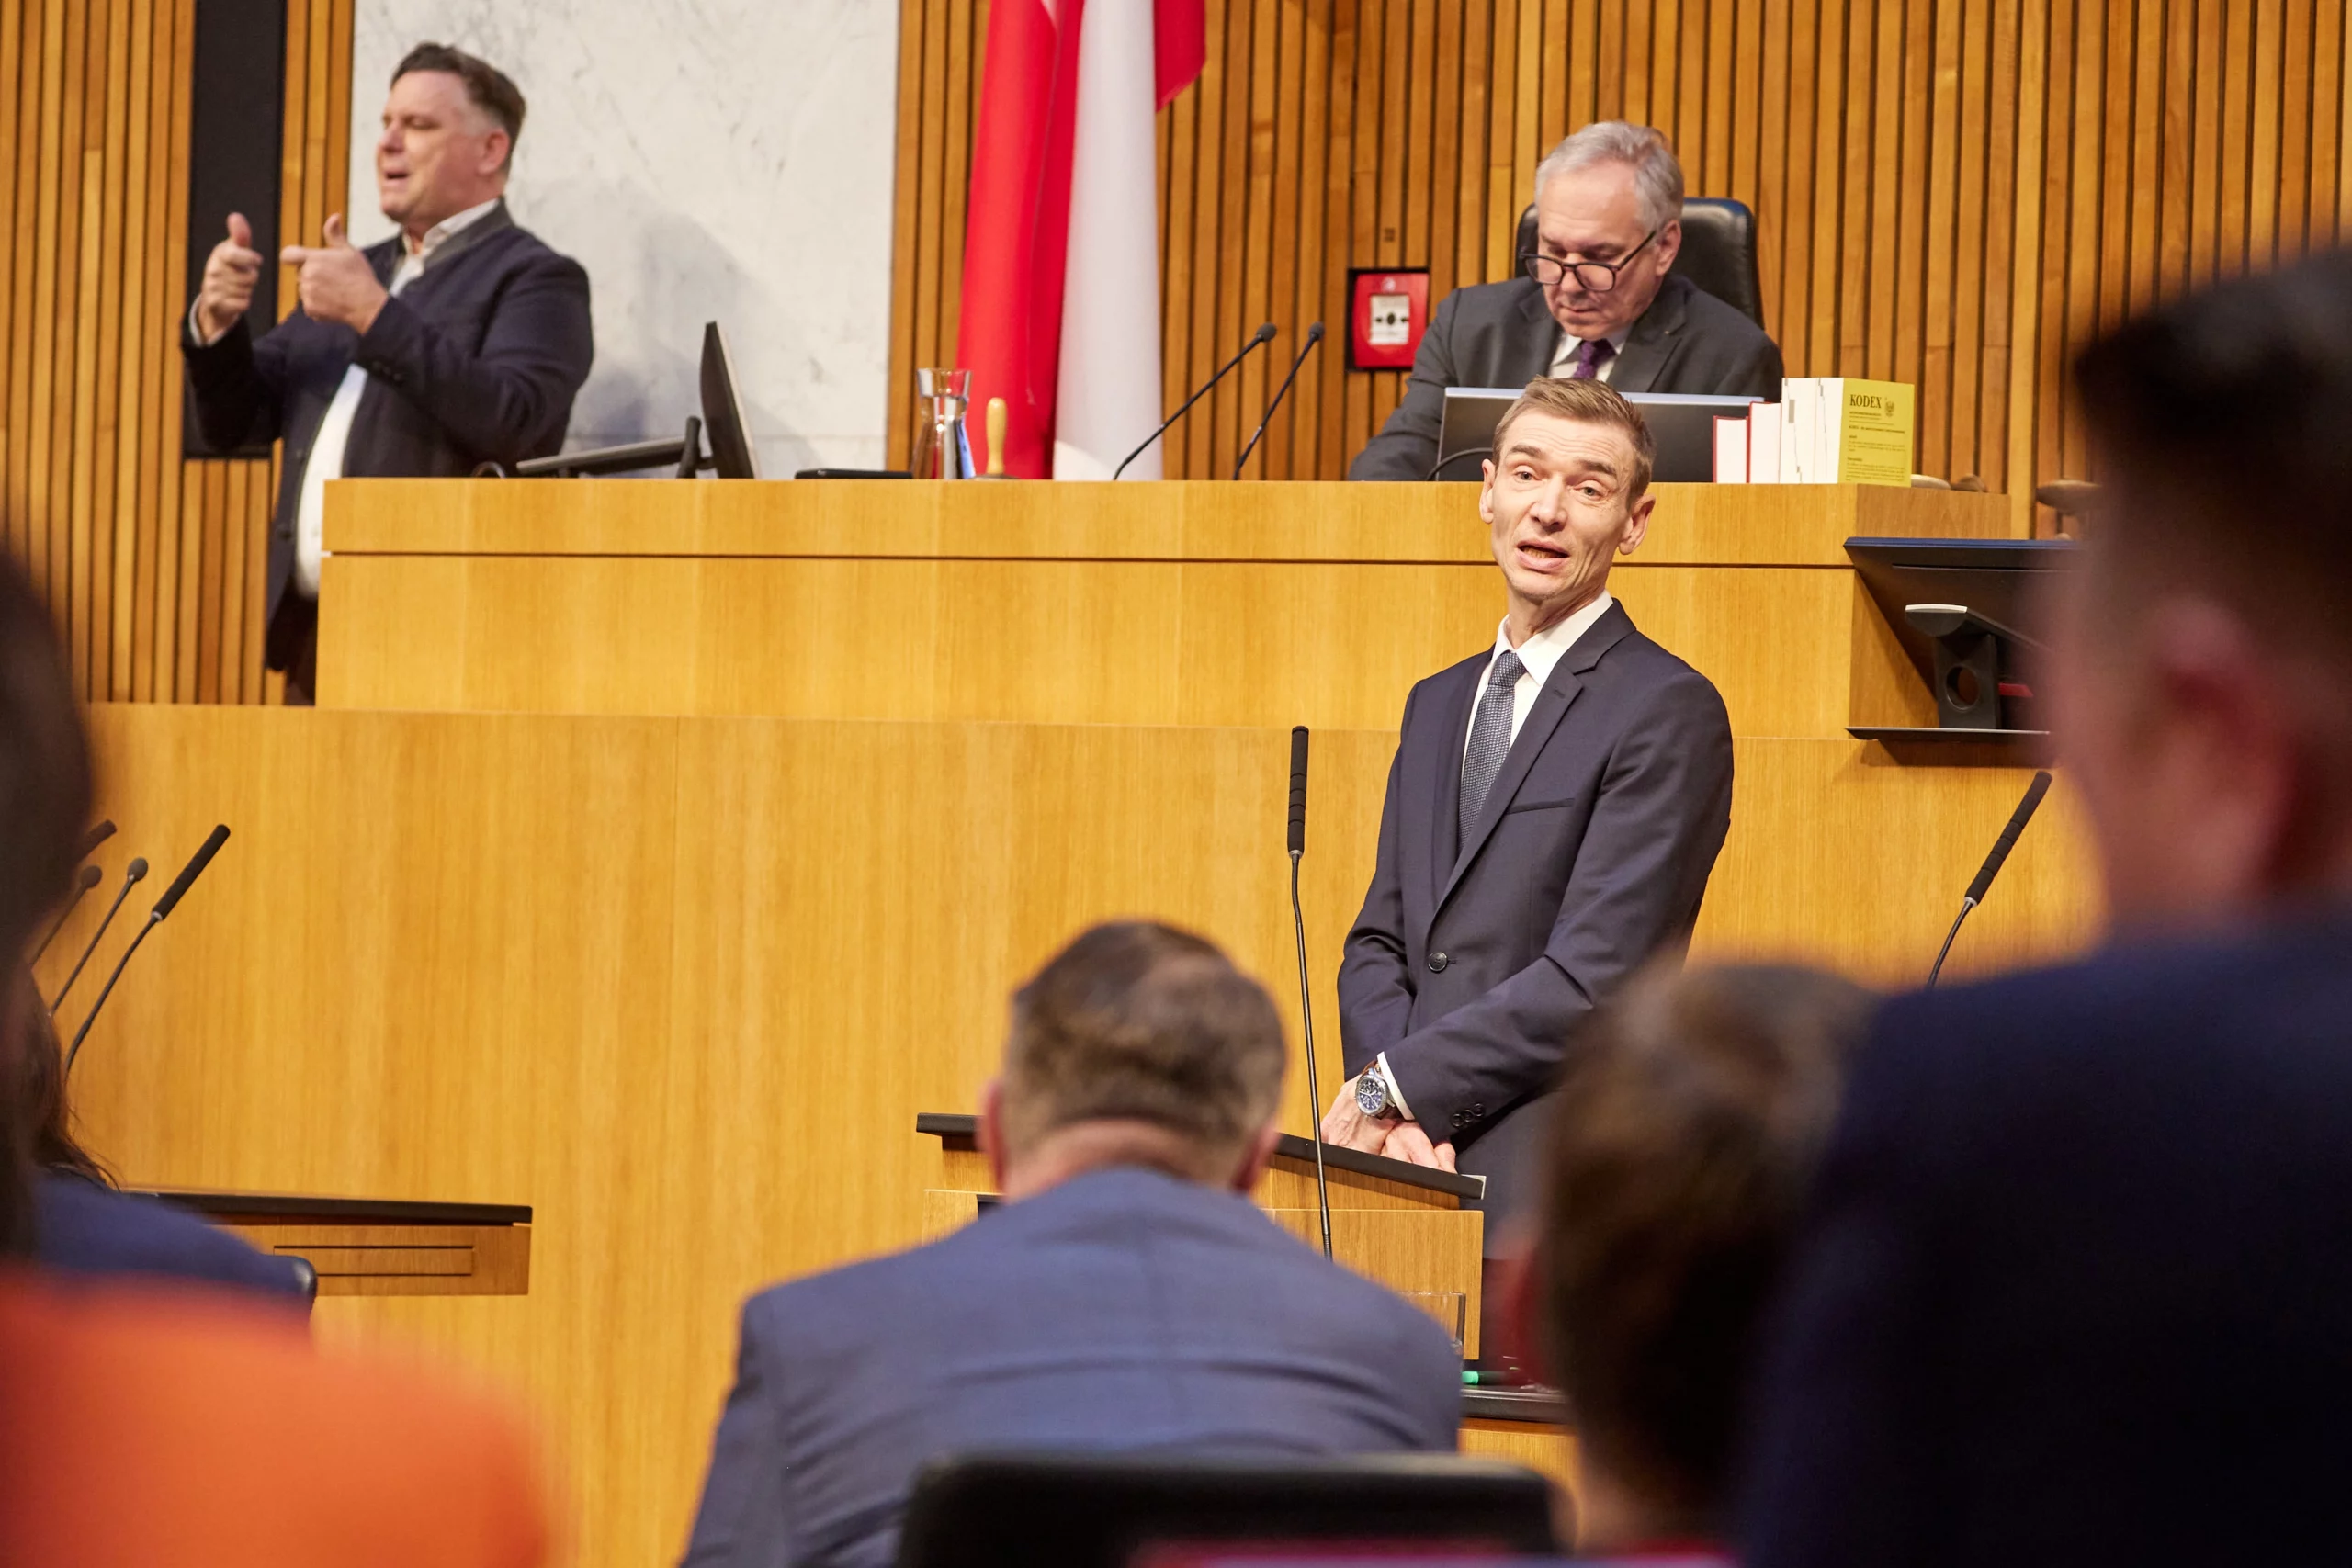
1371 1094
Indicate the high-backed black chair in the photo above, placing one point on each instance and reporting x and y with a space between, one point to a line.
1718 252
1071 1511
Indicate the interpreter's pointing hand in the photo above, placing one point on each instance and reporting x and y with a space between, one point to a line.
335 282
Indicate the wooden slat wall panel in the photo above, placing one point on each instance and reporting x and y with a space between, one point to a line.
152 566
1954 192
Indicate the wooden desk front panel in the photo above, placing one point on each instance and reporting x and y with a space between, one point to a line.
682 984
1271 644
1692 526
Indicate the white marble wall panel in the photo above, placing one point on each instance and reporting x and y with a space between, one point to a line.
705 160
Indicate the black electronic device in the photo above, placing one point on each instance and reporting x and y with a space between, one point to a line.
1265 334
1306 998
721 421
1314 337
1992 866
1958 607
1682 425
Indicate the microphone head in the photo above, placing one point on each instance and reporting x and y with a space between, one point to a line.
88 879
2034 792
99 835
135 870
190 872
1266 334
1298 789
1315 333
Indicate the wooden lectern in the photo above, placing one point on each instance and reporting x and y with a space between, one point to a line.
1399 1224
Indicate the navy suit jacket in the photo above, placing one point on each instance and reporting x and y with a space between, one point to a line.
476 361
1502 334
2077 1286
1473 965
84 1228
1122 1310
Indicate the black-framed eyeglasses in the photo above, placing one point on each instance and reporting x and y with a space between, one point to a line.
1593 277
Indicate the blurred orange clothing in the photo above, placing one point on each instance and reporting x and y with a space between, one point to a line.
158 1427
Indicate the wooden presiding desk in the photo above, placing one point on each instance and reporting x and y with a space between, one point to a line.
665 848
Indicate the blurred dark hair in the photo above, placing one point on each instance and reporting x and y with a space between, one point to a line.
2224 416
45 1109
1690 1120
44 807
1137 1019
487 87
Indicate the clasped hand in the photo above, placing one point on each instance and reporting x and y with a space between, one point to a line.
1346 1126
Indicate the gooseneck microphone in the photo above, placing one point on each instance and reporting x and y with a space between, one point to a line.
1314 336
1265 334
87 879
155 917
99 835
1306 1001
1992 866
132 876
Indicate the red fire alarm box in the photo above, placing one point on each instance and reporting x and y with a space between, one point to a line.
1387 313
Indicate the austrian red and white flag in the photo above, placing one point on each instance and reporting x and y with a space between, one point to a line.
1060 313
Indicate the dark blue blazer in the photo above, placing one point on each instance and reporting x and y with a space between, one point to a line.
476 361
1473 965
2078 1283
1123 1310
83 1228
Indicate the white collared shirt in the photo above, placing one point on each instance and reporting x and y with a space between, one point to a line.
1538 656
1564 357
334 430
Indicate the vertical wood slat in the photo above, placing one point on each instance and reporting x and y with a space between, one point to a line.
152 566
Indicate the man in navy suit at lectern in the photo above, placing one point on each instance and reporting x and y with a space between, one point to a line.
461 341
1555 809
1126 1295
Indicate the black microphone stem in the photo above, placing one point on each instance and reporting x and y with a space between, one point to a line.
82 885
1314 1087
1945 952
1314 336
149 924
1306 995
137 870
1993 865
1265 334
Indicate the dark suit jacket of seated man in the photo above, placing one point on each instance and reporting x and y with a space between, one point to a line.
2076 1285
1541 838
475 355
1126 1296
1605 204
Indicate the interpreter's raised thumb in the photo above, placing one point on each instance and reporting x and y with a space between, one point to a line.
334 230
241 233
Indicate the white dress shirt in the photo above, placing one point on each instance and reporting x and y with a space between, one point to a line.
1537 656
334 430
1564 358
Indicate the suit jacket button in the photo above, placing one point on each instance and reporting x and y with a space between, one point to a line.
1438 961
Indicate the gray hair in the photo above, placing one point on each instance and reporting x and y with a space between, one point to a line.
1658 175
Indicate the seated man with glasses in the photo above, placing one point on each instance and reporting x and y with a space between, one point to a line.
1594 300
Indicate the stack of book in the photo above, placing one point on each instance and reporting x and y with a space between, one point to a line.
1825 430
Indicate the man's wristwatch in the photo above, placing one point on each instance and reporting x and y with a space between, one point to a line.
1375 1096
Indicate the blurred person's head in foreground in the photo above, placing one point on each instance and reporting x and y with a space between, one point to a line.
2203 672
1690 1117
44 807
44 1108
1137 1045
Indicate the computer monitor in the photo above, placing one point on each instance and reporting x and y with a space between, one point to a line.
722 410
730 455
1682 424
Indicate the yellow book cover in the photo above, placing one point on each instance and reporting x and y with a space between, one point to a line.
1875 431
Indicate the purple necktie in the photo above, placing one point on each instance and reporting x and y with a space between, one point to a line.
1595 353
